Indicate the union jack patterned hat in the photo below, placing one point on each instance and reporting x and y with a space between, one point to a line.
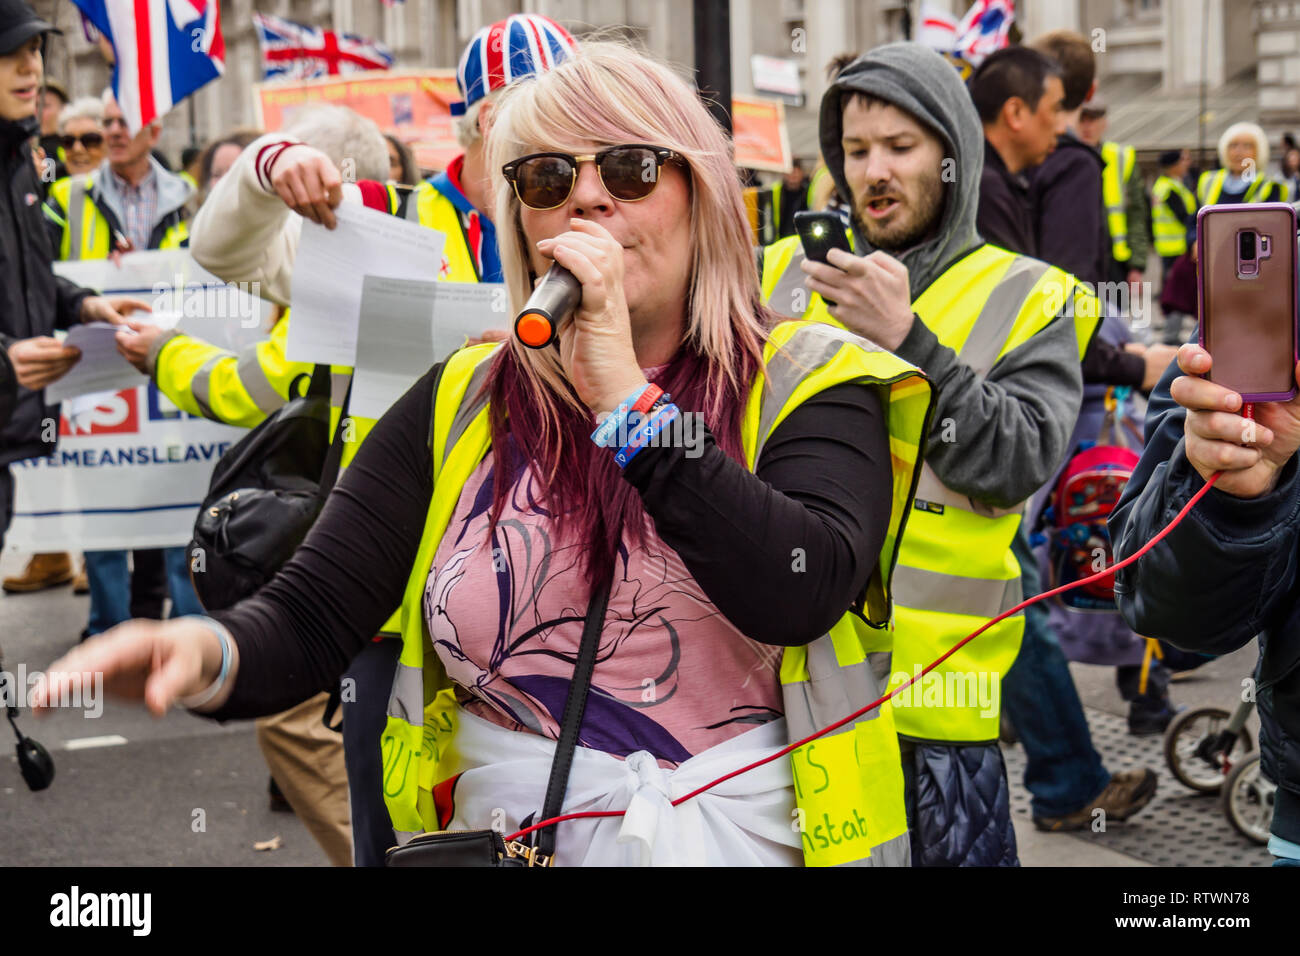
509 49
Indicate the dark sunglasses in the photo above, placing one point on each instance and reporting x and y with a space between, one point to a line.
88 140
628 173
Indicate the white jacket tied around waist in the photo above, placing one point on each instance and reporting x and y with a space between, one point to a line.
747 821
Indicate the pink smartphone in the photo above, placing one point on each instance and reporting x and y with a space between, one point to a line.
1246 301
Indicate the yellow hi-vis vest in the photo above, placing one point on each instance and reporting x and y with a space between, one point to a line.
956 570
848 785
1168 231
1263 189
1119 161
85 231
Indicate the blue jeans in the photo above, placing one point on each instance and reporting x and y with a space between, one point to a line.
110 587
1063 771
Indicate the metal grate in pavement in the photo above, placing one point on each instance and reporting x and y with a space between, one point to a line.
1177 828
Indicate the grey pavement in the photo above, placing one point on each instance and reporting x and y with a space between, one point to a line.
176 791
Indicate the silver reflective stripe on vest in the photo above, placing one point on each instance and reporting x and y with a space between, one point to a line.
930 488
406 702
256 384
998 317
919 588
76 216
470 406
201 386
789 289
412 213
807 350
339 382
830 694
980 352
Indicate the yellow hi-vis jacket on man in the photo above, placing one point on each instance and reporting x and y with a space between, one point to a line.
89 220
1126 206
851 779
956 569
1173 206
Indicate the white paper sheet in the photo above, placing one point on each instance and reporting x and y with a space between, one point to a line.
406 326
328 273
100 368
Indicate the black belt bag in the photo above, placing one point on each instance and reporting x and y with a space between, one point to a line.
489 847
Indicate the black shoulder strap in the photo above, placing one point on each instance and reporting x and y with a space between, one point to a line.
574 706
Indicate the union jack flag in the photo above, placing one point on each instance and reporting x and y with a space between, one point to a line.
292 50
984 29
164 51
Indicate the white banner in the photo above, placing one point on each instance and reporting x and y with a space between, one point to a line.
130 469
131 475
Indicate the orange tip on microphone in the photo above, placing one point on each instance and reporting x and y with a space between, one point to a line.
534 329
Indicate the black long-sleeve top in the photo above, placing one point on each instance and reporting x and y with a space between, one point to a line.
822 484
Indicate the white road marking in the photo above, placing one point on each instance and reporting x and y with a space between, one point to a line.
87 743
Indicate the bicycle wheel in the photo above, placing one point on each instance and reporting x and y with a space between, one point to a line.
1248 800
1194 752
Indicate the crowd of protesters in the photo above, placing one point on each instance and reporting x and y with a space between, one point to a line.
896 416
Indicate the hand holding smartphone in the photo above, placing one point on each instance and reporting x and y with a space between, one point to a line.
820 232
1246 299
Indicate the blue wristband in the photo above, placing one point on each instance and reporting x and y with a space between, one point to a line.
645 434
605 431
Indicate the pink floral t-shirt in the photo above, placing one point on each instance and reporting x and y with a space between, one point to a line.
672 677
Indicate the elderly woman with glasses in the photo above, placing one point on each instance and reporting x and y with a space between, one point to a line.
81 134
683 492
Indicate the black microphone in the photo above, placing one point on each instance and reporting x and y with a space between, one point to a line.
555 297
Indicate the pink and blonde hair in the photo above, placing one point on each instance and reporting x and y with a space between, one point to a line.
608 94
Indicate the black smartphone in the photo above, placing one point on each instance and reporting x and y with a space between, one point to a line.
820 232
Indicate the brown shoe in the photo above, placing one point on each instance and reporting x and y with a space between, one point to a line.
81 583
1127 793
43 571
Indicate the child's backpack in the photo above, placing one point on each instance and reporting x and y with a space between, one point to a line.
1087 492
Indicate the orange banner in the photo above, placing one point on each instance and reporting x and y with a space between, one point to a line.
758 128
415 106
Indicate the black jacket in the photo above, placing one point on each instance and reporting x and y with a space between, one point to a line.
33 301
1069 231
1229 572
1069 217
1005 216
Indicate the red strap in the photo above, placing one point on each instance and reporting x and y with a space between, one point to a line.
374 195
648 398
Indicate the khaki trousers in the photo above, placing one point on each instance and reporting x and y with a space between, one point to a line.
306 760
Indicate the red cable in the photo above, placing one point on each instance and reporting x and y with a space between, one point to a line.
1247 413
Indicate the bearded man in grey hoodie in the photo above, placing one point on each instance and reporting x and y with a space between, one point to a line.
1001 336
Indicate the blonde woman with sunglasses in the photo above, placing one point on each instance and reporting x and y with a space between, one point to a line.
741 502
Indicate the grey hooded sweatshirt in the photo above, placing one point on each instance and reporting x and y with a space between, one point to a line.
1006 432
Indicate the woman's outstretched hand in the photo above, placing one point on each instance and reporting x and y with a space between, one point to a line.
596 346
156 662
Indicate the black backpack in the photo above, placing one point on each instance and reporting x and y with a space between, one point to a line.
265 494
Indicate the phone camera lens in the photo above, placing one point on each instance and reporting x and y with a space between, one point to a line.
1247 245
